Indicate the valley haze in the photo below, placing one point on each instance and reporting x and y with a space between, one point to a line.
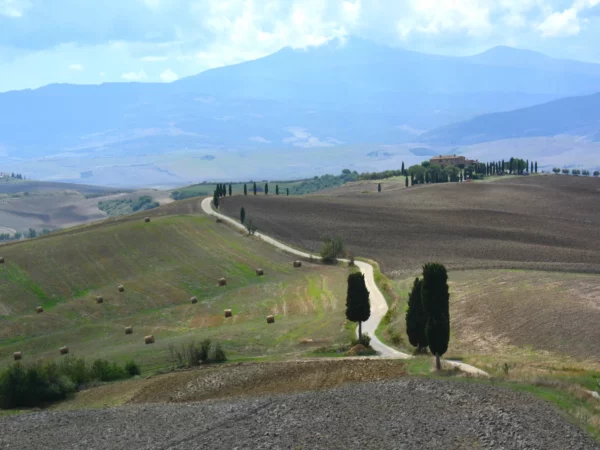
300 113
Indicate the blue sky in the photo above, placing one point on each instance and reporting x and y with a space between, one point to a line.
87 41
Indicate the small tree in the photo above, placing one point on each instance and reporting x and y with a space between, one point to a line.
436 297
358 306
403 168
245 189
535 167
332 248
32 233
266 188
287 192
251 227
276 189
242 215
255 188
406 181
379 187
416 319
596 173
556 170
216 200
230 189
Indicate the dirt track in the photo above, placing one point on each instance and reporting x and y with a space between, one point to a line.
404 414
544 222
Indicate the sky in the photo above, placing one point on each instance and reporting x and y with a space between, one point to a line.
88 41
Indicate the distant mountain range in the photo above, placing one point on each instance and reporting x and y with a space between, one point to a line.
357 93
576 116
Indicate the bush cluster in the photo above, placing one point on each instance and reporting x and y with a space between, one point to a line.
194 354
46 382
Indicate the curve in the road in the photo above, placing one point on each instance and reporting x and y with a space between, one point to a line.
379 306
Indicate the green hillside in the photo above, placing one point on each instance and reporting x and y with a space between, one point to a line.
179 254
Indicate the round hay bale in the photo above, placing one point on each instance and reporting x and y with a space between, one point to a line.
271 319
222 281
194 300
121 288
64 350
228 313
306 341
147 219
99 299
39 309
149 339
297 263
1 259
128 330
260 272
17 356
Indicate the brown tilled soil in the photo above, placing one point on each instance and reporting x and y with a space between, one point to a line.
538 222
402 413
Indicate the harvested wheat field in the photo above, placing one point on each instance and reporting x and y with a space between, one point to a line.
162 264
537 222
494 311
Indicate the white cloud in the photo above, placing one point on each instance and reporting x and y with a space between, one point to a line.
14 8
134 76
168 76
302 138
565 23
76 67
259 139
155 58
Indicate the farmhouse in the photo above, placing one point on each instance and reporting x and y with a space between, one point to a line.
452 160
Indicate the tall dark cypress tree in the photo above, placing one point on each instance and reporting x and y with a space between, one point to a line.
287 192
242 215
245 189
416 319
536 167
266 188
379 187
255 188
436 299
358 306
403 172
216 200
406 181
276 189
230 189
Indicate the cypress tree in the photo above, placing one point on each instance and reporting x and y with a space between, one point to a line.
245 189
266 188
276 189
406 181
230 189
255 188
287 191
416 319
216 200
435 297
242 215
379 187
403 172
358 307
536 167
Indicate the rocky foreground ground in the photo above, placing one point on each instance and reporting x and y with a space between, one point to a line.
407 413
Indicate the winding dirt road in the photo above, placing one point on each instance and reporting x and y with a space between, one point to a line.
379 306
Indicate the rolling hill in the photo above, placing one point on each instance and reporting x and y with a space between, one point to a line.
576 116
162 264
358 93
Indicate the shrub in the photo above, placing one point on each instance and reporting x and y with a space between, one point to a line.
75 369
216 353
38 384
332 248
193 354
365 340
105 371
132 369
